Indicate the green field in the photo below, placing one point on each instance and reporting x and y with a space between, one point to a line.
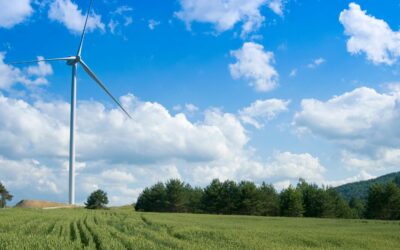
126 229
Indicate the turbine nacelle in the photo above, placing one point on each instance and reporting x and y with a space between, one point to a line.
73 60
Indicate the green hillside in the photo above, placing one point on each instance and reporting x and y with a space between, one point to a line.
360 189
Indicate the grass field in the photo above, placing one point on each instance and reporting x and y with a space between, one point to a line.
126 229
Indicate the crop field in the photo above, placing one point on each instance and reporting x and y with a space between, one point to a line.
126 229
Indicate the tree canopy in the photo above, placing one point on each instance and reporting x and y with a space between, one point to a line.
97 200
5 196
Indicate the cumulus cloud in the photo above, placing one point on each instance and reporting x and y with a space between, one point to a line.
225 14
255 65
364 122
9 75
68 13
30 76
29 176
262 111
243 166
156 146
14 12
370 35
350 115
102 131
381 158
295 166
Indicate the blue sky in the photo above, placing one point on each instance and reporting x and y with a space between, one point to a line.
264 90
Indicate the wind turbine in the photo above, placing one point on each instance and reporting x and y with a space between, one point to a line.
74 61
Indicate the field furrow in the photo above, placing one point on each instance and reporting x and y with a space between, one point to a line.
127 229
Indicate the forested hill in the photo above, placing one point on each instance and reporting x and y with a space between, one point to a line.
360 189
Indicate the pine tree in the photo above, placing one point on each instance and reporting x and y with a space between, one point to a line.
268 200
176 196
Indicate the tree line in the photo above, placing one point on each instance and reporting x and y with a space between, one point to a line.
247 198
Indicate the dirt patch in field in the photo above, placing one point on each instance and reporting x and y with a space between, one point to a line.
42 204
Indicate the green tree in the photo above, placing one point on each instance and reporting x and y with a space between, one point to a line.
397 180
176 196
195 197
248 198
384 202
268 200
153 199
229 199
97 200
314 199
291 203
5 196
375 202
212 197
357 207
336 206
392 199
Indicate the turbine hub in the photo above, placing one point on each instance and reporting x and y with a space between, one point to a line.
74 60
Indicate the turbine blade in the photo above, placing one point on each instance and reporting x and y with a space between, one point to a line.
84 30
94 77
44 60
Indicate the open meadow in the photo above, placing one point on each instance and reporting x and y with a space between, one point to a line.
123 228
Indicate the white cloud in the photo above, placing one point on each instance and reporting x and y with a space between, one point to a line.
42 69
363 122
191 108
188 109
350 115
33 75
29 176
362 176
112 26
380 158
68 13
261 111
121 16
122 156
14 12
225 14
276 6
297 166
370 35
153 24
317 62
243 166
152 135
255 65
116 175
123 9
8 75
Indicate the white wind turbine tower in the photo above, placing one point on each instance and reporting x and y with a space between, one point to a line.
73 61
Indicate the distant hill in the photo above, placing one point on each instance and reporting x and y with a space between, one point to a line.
41 204
360 189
